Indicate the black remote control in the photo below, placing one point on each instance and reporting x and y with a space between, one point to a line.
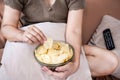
108 39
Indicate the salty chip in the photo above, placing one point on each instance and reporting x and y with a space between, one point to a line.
49 43
54 52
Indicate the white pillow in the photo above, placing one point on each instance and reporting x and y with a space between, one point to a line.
98 40
114 25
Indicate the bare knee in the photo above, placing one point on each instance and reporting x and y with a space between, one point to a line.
101 62
105 68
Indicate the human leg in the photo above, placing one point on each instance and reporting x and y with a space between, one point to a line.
101 61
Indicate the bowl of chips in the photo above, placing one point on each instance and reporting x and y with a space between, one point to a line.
53 53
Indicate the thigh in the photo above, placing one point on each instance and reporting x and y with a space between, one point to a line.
116 73
101 61
108 77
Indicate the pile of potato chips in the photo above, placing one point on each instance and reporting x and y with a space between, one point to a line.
54 52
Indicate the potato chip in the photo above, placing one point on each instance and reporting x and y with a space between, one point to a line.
54 52
45 58
56 45
49 43
42 50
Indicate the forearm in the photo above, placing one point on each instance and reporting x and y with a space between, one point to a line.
11 33
74 38
10 22
74 31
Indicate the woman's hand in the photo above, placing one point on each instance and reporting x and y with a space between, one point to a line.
33 35
62 72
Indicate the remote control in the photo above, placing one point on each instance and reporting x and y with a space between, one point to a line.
108 39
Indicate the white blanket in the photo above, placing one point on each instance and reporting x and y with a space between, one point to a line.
19 62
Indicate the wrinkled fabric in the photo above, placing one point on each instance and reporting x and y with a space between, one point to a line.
19 62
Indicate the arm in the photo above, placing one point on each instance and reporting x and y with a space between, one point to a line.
10 24
74 32
12 33
73 36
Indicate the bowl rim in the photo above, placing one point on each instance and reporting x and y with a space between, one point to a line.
55 65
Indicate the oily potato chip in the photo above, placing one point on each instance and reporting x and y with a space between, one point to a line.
48 44
41 50
54 52
45 58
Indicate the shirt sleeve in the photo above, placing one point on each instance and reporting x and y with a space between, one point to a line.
76 4
16 4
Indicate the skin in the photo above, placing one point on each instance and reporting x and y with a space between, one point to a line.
101 61
74 26
12 33
97 57
33 35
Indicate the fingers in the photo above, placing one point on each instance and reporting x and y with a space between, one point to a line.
56 75
63 68
34 35
61 72
49 72
39 32
28 39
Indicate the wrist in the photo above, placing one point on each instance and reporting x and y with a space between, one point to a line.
76 65
76 62
19 36
76 58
